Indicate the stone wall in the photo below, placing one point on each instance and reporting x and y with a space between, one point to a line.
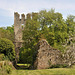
45 56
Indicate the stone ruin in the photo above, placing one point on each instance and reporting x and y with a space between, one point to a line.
69 55
45 56
19 25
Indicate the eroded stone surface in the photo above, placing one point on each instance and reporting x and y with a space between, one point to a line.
45 55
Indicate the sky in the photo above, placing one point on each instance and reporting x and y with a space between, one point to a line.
8 7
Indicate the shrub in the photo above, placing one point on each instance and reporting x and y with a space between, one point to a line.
59 66
2 57
25 56
8 69
7 48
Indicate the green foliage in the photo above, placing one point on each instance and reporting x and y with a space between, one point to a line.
48 25
7 33
70 21
53 27
2 57
25 56
6 67
7 47
59 66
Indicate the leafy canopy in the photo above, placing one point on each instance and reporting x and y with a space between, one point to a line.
7 48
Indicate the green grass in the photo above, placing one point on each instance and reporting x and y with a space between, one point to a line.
55 71
23 64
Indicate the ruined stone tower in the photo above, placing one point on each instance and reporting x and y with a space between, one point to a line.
18 28
19 25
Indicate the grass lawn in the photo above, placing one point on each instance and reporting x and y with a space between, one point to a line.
55 71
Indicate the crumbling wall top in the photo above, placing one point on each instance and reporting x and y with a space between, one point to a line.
16 14
22 16
28 16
